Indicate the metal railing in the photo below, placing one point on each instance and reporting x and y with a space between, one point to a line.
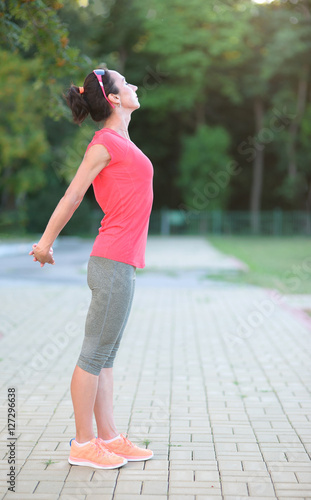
275 222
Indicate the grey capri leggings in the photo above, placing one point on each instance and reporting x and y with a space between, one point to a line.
112 284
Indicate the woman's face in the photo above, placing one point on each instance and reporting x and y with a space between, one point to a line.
127 92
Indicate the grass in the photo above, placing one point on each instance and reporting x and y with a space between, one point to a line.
24 238
49 462
146 442
15 238
282 263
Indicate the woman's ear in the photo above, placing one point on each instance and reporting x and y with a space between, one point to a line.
115 99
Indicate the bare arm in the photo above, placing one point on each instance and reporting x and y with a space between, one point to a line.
96 158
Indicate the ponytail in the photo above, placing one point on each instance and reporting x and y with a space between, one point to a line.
78 104
91 100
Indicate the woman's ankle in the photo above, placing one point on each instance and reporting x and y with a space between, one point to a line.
106 436
84 438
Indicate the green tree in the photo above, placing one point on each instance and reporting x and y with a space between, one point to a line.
37 64
238 53
24 149
199 49
288 64
34 29
205 169
230 65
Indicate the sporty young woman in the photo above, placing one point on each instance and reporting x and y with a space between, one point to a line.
122 180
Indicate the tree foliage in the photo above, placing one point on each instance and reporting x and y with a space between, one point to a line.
205 168
217 81
23 144
33 29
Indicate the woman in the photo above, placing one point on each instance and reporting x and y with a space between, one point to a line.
122 180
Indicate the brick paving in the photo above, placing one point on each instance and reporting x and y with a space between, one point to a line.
215 376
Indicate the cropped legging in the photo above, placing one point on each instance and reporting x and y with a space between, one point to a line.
112 284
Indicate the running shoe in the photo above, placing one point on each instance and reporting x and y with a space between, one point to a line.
126 449
93 454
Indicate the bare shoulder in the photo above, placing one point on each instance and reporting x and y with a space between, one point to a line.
97 153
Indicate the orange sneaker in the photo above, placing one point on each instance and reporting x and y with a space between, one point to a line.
126 449
93 455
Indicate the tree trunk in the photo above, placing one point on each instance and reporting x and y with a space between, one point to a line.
308 210
200 114
258 164
122 58
295 124
6 199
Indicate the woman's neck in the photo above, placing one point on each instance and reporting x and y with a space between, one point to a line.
119 123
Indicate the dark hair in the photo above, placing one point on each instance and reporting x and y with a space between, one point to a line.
92 101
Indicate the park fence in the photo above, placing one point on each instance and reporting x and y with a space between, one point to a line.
275 223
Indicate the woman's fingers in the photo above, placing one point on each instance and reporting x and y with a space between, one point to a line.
43 259
33 247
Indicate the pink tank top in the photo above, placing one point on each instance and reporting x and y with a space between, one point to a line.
123 190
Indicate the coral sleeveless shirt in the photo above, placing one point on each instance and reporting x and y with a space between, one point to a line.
123 190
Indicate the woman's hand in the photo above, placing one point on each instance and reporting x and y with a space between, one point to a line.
42 256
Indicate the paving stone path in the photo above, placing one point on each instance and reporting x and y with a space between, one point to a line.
216 378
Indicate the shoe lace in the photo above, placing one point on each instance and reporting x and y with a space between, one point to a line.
127 441
99 450
100 443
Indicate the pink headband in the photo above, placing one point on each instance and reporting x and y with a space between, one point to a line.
99 73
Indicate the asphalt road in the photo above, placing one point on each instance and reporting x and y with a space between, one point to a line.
70 254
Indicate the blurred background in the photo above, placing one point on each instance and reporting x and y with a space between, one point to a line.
225 113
